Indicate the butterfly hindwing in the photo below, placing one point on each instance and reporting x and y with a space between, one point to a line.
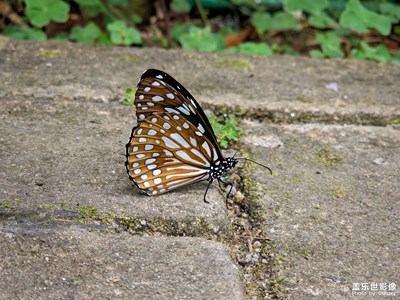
166 151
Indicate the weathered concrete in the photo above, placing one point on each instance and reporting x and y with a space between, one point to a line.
330 210
67 154
69 262
332 207
277 88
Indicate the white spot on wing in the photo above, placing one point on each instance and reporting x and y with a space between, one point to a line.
185 125
135 148
184 110
177 137
141 97
171 110
142 140
169 143
143 177
148 147
154 120
157 172
141 155
141 117
200 155
166 126
193 141
151 167
201 128
168 153
155 83
170 96
215 157
134 165
207 148
149 161
157 98
159 77
182 154
147 89
157 181
152 132
139 131
137 171
146 184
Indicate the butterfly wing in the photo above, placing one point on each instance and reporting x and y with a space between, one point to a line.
167 151
159 93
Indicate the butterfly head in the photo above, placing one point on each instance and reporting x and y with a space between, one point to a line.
219 168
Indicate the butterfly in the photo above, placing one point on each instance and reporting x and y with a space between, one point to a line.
173 144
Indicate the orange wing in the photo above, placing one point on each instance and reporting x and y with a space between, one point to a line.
166 151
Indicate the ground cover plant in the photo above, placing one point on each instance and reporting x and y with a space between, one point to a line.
322 29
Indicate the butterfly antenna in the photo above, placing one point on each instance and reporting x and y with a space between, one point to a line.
257 163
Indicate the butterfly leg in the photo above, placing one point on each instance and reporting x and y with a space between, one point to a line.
208 186
227 194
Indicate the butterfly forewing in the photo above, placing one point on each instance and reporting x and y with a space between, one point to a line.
167 151
159 93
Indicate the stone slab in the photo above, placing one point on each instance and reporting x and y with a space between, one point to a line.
69 155
39 261
332 206
275 88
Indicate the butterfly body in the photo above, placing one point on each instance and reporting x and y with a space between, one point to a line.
173 144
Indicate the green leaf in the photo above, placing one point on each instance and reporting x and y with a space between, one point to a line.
202 39
278 21
88 2
87 35
310 6
104 40
379 53
120 34
284 21
62 36
316 54
330 44
261 21
22 33
255 49
181 6
41 12
320 20
226 131
391 10
360 19
122 3
129 99
91 7
179 30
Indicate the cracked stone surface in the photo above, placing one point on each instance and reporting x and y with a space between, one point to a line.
330 211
